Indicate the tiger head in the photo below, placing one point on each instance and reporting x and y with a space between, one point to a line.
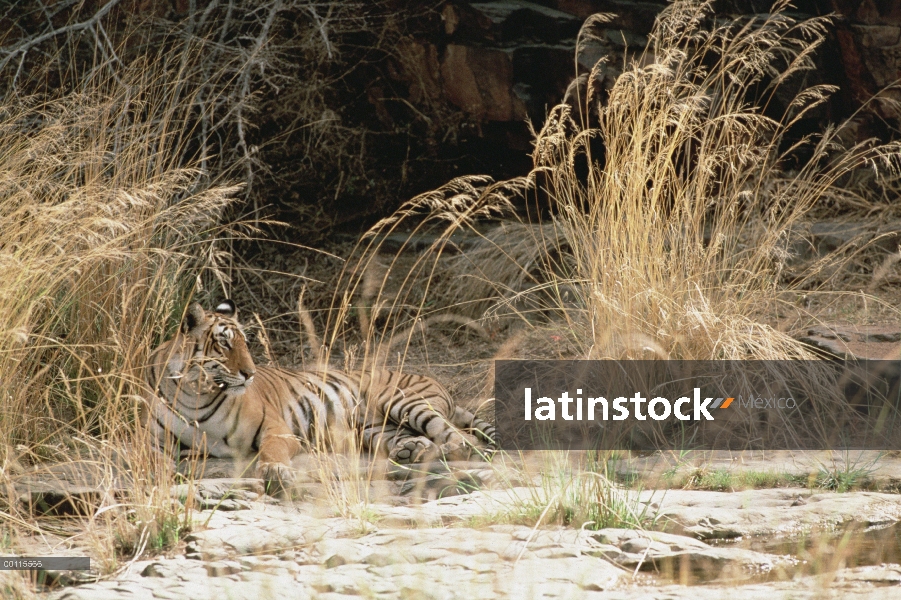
210 352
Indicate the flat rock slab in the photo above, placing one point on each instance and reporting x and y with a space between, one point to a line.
277 552
286 550
702 514
848 342
657 551
441 563
265 529
657 469
786 511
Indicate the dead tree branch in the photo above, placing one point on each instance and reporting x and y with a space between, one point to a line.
25 45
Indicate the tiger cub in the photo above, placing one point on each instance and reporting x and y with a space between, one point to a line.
206 394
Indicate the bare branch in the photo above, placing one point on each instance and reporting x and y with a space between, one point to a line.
25 45
320 23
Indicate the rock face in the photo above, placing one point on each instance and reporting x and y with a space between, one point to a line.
521 51
484 67
446 87
479 81
503 60
869 38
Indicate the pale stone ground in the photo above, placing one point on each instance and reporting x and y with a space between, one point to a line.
256 547
277 551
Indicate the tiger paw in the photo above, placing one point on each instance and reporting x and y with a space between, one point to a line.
466 447
279 477
455 451
412 450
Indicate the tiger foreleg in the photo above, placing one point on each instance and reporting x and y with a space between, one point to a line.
277 448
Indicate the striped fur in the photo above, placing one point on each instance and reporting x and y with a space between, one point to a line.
209 396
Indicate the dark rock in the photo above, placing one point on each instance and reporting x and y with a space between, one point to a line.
153 570
65 500
894 336
421 71
868 34
516 21
555 66
637 17
848 342
480 82
829 335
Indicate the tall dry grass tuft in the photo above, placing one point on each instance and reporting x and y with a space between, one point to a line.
681 234
103 239
674 242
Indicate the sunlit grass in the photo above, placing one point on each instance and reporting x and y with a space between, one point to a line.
103 238
581 494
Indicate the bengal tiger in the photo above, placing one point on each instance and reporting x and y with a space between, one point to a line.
205 394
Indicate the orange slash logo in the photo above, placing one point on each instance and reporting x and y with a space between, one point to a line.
722 403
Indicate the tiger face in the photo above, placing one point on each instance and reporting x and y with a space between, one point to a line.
215 357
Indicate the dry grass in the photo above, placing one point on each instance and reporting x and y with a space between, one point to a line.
673 247
573 490
680 236
673 244
246 66
103 239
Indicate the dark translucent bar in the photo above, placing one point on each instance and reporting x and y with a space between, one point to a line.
649 405
44 563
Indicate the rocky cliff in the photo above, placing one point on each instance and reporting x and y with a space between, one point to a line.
507 60
409 93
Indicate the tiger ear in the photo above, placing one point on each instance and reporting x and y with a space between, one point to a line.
193 317
227 308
